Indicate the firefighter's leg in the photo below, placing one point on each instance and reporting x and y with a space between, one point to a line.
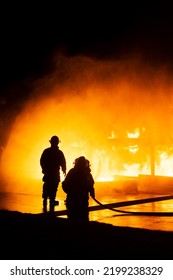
44 205
53 196
51 204
44 196
56 202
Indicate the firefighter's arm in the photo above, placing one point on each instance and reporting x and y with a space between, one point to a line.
92 192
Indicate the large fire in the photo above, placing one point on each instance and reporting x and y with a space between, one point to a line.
117 114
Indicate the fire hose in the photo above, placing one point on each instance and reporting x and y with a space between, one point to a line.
134 212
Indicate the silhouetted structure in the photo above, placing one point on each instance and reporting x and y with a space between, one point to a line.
78 185
52 159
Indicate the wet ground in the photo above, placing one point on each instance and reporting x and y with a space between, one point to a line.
28 203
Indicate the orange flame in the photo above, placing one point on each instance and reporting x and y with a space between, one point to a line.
110 112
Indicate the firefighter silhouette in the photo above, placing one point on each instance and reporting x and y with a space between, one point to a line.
51 161
78 185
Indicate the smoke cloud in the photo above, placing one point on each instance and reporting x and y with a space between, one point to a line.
90 104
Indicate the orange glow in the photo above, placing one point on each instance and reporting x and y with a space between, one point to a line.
110 112
136 134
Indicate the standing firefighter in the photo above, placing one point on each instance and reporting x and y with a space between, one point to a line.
78 185
52 159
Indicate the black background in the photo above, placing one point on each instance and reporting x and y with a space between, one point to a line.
112 29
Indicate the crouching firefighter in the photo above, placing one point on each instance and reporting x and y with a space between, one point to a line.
78 185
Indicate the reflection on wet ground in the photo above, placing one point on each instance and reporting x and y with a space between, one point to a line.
28 203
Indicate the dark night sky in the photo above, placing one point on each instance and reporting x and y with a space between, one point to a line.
30 34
